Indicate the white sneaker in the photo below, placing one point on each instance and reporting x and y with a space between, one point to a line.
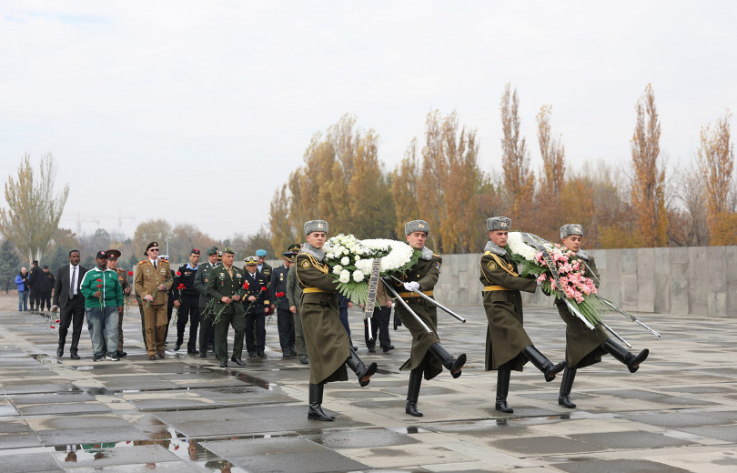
112 357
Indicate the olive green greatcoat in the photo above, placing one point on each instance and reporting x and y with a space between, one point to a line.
505 337
426 273
328 346
583 345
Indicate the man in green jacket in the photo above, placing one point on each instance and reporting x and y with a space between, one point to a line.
103 302
225 286
206 303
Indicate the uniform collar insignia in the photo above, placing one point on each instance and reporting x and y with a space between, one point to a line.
426 253
494 248
311 250
583 255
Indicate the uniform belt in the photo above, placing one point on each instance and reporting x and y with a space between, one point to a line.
406 295
495 288
311 290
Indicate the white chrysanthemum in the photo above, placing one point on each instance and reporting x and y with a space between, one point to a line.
358 275
345 261
337 269
519 247
345 276
364 265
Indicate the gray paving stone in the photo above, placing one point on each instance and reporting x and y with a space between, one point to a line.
29 463
727 433
619 466
305 462
79 436
630 440
67 408
117 456
19 440
360 438
543 445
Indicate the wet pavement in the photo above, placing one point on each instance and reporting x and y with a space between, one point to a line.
184 413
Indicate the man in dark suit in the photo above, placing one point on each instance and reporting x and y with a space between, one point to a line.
68 298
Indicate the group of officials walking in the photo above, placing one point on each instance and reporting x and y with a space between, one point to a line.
217 295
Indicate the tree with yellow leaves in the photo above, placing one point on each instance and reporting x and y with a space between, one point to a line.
519 180
648 180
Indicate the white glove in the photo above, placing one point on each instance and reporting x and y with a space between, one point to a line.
412 286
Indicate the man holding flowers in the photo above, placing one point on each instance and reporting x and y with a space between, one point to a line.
255 301
103 302
508 347
227 286
153 281
584 346
328 346
427 356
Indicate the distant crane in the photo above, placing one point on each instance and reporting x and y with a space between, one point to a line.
120 220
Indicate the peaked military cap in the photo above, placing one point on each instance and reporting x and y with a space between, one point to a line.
228 250
289 256
416 226
571 229
295 248
112 254
499 223
250 260
316 226
213 250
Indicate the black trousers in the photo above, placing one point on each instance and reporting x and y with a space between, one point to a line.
45 301
73 312
256 321
285 322
35 298
189 309
379 323
207 329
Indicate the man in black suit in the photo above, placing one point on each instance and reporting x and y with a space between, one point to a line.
68 298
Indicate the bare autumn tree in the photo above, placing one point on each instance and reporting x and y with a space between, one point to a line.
404 188
519 180
716 163
552 179
693 221
34 209
648 180
158 230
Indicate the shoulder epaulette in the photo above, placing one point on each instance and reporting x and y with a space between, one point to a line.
142 261
487 253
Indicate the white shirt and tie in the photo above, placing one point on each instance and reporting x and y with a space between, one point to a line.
73 280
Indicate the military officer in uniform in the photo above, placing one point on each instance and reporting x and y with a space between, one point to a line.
225 286
255 302
264 267
112 263
153 281
427 356
206 302
584 346
188 304
327 341
294 295
508 347
284 318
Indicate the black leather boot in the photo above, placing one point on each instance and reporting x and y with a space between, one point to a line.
454 365
621 354
542 363
364 373
502 390
315 411
565 388
413 392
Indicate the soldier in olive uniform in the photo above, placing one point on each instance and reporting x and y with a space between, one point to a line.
427 356
508 347
278 296
225 286
207 315
153 281
112 263
327 341
584 346
294 295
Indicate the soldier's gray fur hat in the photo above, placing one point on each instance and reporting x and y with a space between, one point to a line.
499 223
571 229
416 226
316 226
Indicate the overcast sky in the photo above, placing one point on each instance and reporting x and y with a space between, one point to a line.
196 111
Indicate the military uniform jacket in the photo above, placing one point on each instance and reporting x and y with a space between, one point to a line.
266 270
294 290
426 272
259 288
505 338
123 279
279 284
148 279
200 281
583 345
220 285
328 346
